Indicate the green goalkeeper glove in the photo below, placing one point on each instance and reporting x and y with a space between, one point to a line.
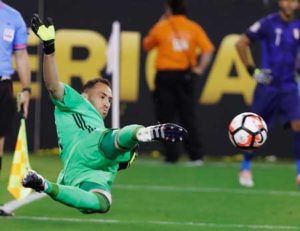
45 32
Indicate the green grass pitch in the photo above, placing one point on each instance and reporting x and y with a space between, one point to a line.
154 196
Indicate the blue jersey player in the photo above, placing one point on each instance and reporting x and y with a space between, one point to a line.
276 92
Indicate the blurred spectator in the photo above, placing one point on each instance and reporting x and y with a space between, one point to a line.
177 38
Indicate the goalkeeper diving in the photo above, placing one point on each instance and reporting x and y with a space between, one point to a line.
91 154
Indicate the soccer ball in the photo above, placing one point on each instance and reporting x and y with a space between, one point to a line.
248 131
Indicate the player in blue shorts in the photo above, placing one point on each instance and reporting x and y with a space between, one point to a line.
276 91
91 154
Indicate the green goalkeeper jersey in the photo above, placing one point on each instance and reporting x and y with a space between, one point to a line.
80 129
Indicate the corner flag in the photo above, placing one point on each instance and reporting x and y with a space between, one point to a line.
20 165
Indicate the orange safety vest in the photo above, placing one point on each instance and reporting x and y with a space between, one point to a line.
177 39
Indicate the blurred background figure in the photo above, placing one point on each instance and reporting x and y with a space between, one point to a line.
13 41
177 39
276 92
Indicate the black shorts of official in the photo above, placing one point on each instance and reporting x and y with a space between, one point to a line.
7 107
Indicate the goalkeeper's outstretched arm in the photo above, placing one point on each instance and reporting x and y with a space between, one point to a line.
54 86
46 33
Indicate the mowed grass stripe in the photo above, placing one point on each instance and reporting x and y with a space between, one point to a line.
185 189
158 223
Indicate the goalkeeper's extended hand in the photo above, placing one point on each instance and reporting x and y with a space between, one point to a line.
263 76
45 32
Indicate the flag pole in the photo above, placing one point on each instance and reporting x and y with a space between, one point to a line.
113 68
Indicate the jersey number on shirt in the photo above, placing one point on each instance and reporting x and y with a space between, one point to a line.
278 32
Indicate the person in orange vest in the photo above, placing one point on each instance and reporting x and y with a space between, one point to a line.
177 39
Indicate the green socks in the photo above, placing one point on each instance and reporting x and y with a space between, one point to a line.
116 142
127 137
87 202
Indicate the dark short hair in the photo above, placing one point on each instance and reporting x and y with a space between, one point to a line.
177 6
91 83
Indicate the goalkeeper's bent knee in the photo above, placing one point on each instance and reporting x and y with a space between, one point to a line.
103 202
104 205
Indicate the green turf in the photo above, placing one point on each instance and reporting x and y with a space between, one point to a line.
154 196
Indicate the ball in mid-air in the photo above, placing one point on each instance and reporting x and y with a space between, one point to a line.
248 131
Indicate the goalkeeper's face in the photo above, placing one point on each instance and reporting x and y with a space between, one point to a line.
100 96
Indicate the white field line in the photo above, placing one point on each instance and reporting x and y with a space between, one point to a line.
156 163
184 189
12 205
158 223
